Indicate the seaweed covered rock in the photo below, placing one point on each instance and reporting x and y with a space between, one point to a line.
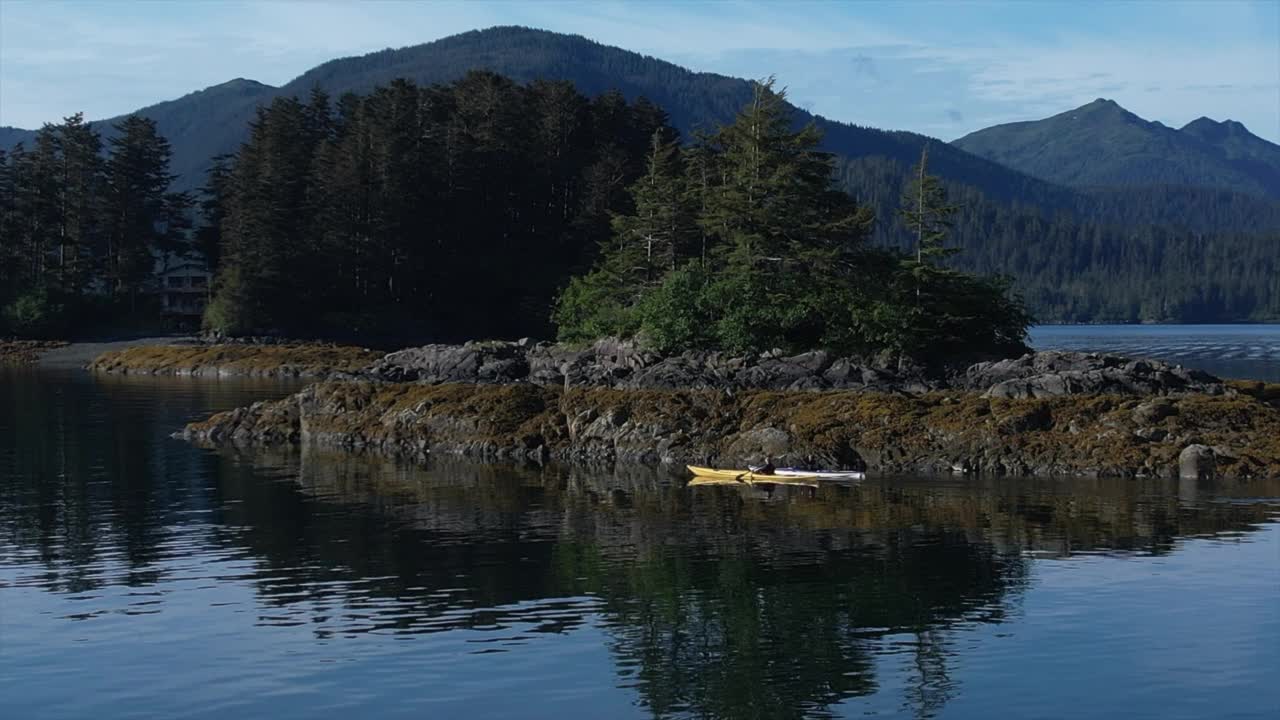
248 359
952 431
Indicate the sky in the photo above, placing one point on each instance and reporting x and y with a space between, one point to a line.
939 68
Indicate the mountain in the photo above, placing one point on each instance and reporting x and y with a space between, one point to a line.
1103 145
1181 224
215 120
10 136
198 125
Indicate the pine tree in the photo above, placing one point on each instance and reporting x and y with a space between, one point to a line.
927 214
265 227
36 192
661 231
139 212
79 185
785 242
212 211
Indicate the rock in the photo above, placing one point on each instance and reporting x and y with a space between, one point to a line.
890 433
624 364
1152 434
839 373
1197 461
1038 417
760 441
1053 373
1153 411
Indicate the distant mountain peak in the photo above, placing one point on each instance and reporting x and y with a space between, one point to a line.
1225 131
239 82
1101 144
238 85
1104 109
1206 126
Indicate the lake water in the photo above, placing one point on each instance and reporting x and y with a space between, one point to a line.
1232 351
141 577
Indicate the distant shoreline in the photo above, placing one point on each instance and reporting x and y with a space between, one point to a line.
1156 324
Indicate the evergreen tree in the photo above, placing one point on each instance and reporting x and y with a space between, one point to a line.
661 230
79 188
379 217
927 214
265 224
212 205
142 218
781 259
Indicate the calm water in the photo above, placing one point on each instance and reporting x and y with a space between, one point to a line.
1233 351
143 578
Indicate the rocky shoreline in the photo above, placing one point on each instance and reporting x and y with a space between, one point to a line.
26 352
1232 434
1046 413
624 365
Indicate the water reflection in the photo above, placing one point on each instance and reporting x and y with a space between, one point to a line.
722 601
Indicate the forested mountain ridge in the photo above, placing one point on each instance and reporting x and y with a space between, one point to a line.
215 121
1159 252
1103 145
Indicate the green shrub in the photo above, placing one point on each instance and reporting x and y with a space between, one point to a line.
36 313
676 315
230 311
590 308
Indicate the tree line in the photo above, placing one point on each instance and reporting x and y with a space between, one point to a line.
447 212
462 210
81 230
741 240
1151 261
487 208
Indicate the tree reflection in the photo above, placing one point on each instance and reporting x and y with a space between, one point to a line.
718 601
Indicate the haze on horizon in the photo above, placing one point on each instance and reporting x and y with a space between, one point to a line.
942 69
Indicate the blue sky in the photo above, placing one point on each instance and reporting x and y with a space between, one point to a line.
941 68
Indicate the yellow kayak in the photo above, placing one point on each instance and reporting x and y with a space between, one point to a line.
698 481
746 475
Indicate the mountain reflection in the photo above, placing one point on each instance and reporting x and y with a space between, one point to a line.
717 601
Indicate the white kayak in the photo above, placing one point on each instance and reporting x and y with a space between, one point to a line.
821 474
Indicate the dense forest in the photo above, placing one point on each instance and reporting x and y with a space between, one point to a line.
742 240
450 212
1137 269
420 209
81 231
462 210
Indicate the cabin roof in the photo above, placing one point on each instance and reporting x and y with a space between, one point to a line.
187 266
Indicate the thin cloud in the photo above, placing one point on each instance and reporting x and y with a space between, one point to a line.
868 63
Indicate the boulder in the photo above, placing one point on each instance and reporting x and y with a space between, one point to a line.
1197 461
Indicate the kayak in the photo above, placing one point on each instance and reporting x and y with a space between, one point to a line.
746 475
749 479
787 473
821 474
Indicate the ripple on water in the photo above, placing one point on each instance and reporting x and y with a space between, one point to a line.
1242 351
140 576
